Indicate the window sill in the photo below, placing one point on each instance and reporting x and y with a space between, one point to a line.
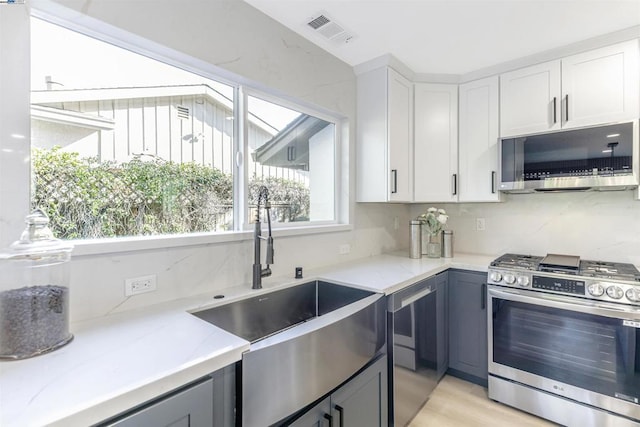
143 243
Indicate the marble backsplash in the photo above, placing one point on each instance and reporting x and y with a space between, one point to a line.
594 225
97 281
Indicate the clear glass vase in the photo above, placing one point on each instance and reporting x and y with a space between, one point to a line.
431 243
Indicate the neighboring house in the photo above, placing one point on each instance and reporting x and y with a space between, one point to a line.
191 123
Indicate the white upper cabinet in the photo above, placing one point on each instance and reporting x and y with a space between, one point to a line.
384 137
591 88
436 143
530 99
601 86
478 141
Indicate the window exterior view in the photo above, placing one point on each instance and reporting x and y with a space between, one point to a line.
124 145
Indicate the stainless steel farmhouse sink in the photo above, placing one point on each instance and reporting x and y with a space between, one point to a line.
305 341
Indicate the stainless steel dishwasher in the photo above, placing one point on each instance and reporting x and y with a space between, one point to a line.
416 346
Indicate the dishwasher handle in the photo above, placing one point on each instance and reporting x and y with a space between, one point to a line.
415 297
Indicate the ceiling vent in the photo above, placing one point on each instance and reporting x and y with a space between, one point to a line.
329 29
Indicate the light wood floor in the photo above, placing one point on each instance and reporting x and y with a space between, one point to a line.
459 403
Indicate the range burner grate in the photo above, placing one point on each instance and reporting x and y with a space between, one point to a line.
526 262
595 269
609 270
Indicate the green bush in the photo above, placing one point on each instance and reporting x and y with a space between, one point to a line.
88 199
289 199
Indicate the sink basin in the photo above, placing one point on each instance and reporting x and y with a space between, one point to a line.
306 340
259 317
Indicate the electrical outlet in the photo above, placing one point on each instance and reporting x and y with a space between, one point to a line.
396 223
344 249
480 224
139 285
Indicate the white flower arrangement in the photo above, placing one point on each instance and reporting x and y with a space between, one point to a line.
434 220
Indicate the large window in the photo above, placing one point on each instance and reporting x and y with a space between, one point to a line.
293 155
125 145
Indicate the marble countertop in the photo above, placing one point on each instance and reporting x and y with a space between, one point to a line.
120 361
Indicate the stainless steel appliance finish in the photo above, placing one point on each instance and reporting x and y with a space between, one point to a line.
552 407
447 243
565 334
415 360
259 317
318 336
599 158
415 231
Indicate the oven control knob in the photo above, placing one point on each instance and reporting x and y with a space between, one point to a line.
523 281
615 292
509 279
495 276
633 294
596 289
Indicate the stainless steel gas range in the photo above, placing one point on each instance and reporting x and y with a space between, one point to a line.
564 338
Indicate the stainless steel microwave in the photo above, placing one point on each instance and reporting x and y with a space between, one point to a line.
595 158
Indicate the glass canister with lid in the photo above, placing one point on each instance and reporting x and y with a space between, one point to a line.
34 292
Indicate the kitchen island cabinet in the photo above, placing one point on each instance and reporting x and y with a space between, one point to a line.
468 326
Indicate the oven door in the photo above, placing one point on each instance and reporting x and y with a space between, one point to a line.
579 349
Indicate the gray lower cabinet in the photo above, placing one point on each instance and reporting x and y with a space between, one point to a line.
210 402
192 407
361 402
442 323
318 416
468 326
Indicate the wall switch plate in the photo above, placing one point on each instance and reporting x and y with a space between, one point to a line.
480 224
139 285
344 249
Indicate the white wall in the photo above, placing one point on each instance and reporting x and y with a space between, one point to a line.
595 225
238 38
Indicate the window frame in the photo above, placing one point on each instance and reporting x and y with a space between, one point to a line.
331 118
59 15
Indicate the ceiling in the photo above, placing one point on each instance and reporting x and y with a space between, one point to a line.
453 36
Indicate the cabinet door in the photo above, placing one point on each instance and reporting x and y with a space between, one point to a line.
318 416
192 407
468 325
384 137
478 145
601 86
362 402
530 99
436 143
399 139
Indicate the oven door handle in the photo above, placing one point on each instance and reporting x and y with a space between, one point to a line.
612 310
